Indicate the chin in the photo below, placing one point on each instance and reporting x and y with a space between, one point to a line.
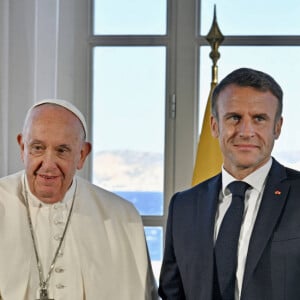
247 164
45 194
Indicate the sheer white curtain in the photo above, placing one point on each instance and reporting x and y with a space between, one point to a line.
44 53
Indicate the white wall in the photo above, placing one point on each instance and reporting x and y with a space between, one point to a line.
44 53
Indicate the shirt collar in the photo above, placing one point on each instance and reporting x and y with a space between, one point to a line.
35 202
255 179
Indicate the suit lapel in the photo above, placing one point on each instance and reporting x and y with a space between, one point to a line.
205 231
208 212
273 201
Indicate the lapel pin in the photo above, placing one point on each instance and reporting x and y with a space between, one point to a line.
277 192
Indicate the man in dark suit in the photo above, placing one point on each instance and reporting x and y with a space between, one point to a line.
246 119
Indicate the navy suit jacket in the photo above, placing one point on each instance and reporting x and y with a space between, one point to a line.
272 270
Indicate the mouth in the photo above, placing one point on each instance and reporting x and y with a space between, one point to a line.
47 177
245 147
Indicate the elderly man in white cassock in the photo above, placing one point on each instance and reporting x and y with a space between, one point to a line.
62 237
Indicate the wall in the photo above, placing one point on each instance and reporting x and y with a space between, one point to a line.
44 53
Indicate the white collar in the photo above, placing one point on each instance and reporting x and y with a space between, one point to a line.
256 179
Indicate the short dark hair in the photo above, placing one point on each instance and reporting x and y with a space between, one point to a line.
246 77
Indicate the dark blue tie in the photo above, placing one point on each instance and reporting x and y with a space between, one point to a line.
227 241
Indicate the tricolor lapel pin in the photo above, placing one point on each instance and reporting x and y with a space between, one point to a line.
277 192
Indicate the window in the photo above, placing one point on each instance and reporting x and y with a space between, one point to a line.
151 77
129 108
129 124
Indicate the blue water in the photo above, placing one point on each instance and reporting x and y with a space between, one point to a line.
147 203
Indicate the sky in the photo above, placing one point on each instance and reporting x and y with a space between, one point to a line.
129 97
255 17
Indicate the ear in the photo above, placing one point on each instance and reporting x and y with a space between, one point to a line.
20 139
214 126
278 126
85 151
21 144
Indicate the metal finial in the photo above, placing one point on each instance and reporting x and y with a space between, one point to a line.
215 38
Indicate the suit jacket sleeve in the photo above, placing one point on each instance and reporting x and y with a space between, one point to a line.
170 284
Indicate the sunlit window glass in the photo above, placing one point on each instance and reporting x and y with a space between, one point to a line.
279 62
142 17
129 122
254 17
154 236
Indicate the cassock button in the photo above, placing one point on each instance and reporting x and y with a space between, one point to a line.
59 270
56 206
58 222
60 286
57 237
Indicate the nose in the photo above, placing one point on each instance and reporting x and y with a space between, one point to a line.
49 160
246 128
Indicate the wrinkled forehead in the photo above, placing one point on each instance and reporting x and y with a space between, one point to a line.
61 103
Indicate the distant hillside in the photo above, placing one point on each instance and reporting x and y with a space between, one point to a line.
128 170
143 171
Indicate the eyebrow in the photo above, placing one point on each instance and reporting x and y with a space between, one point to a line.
67 146
261 115
240 114
230 114
33 142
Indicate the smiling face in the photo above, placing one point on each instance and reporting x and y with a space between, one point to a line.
52 149
246 127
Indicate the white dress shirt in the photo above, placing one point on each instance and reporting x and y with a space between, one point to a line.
253 198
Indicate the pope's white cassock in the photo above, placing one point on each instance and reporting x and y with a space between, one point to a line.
103 254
